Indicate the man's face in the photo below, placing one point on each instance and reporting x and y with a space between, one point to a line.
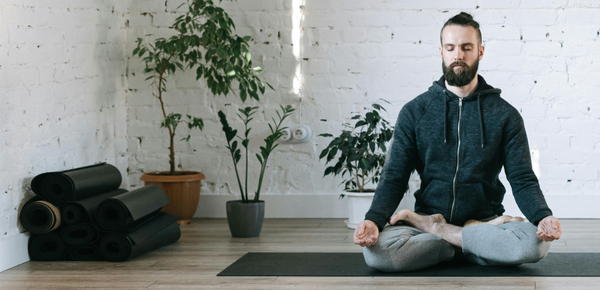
460 53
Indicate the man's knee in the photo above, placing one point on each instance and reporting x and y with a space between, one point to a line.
529 251
528 248
407 253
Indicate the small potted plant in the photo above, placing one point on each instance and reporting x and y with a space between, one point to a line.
202 41
359 154
245 216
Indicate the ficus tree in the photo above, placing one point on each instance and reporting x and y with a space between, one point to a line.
358 153
203 41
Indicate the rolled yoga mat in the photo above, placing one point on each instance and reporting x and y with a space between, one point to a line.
79 234
122 211
79 211
46 247
161 230
75 184
39 217
85 252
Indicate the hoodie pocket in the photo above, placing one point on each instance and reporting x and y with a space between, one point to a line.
435 198
471 203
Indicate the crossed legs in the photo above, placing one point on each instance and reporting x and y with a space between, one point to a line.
424 241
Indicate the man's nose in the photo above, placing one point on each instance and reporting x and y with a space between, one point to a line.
459 55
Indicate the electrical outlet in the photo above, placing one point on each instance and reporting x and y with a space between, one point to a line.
299 133
286 135
296 133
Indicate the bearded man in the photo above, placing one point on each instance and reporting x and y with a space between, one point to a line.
458 135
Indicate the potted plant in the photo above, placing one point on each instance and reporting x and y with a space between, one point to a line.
245 216
203 41
359 155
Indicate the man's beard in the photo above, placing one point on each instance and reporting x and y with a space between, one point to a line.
463 77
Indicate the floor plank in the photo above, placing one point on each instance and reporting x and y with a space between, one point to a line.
206 248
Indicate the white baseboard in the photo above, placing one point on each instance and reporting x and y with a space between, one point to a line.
13 251
330 206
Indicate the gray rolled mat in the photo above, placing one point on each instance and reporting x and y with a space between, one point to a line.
39 217
75 184
79 234
75 212
121 211
161 230
85 252
46 247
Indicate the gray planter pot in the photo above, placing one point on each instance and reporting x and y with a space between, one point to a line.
245 218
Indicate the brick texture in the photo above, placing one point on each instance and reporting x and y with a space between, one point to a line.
542 54
62 84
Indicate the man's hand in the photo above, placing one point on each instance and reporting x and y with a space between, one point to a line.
549 229
366 233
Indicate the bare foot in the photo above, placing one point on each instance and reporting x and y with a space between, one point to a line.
426 223
434 224
497 221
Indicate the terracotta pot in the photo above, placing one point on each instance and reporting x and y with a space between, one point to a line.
183 190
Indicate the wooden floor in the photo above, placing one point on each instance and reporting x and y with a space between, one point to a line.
206 248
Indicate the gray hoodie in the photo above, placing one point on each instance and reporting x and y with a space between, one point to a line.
458 147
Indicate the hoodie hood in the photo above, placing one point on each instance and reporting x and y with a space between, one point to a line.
439 87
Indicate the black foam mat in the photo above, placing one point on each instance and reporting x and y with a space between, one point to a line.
159 231
46 247
122 211
79 234
353 264
39 216
85 252
78 211
75 184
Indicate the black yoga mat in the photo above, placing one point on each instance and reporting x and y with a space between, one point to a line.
161 230
85 252
353 264
39 216
75 184
79 234
75 212
121 211
46 247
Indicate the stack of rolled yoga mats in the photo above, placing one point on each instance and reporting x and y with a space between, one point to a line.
82 215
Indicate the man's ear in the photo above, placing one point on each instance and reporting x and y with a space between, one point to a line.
441 52
481 50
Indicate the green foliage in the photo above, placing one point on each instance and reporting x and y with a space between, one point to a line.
359 151
203 40
236 154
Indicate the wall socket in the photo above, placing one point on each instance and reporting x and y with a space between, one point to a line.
295 133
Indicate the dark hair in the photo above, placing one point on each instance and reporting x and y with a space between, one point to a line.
462 19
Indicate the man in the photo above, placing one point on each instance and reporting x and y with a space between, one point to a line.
457 135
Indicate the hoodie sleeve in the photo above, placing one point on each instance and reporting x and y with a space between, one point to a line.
518 169
399 163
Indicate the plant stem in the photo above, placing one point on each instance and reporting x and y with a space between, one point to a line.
363 180
162 106
236 171
171 131
238 179
246 147
260 179
360 188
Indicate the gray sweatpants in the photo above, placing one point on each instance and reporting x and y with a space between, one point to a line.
404 248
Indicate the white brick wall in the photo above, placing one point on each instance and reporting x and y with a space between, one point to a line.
69 85
62 88
542 54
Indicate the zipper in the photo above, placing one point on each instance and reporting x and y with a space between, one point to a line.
457 160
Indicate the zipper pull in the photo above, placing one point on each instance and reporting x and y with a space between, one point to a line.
460 103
